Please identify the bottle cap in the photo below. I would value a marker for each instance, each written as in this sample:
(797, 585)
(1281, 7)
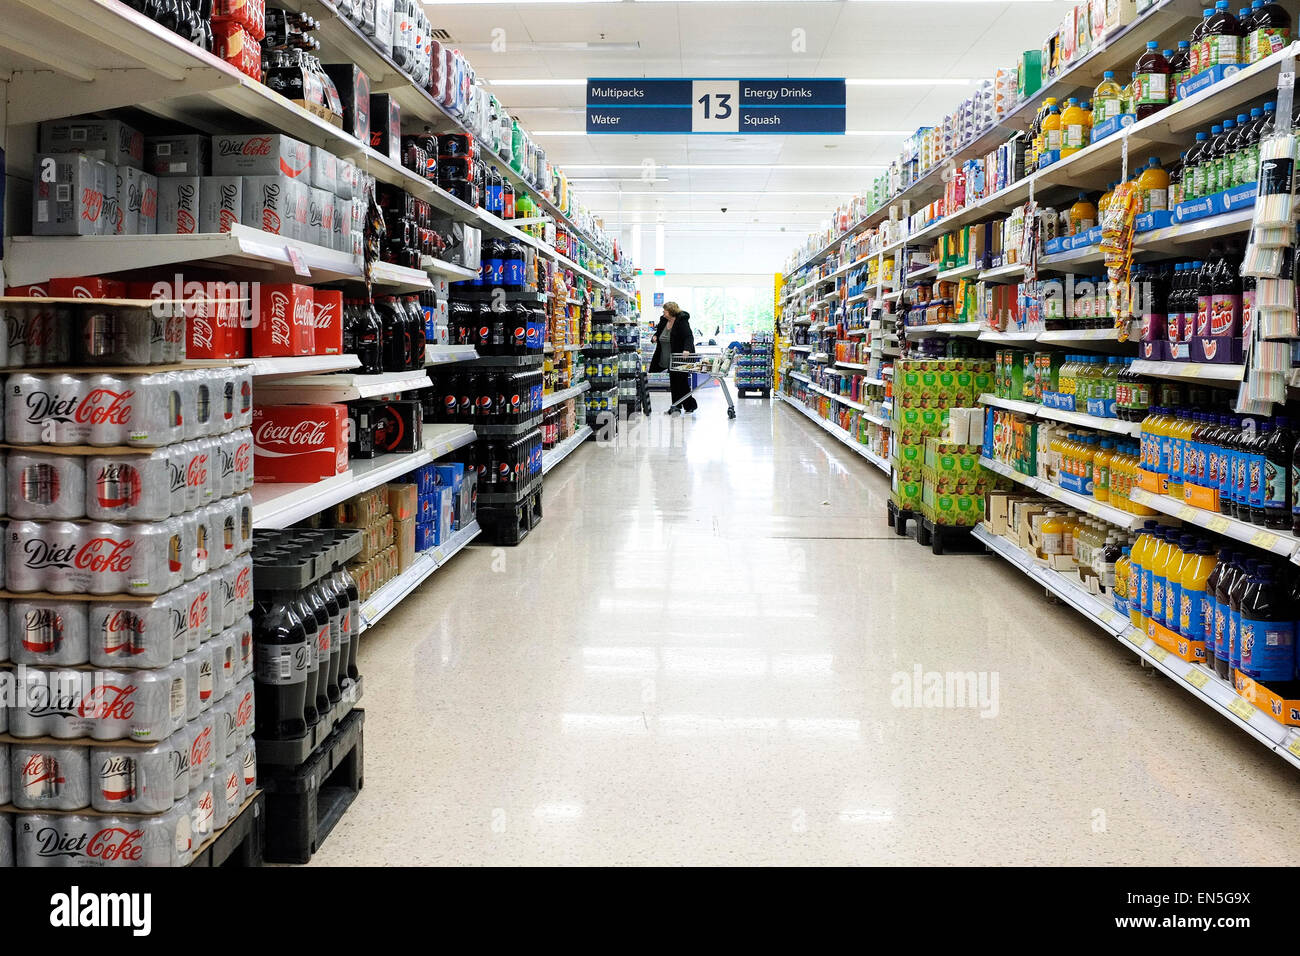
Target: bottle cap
(1109, 75)
(1152, 45)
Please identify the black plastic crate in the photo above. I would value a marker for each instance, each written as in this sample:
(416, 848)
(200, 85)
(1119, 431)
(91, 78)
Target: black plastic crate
(241, 843)
(505, 525)
(304, 804)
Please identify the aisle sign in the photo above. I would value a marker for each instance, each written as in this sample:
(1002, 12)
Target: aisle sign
(729, 106)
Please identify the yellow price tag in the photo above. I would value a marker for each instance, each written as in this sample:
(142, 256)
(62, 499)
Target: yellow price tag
(368, 612)
(1241, 708)
(1158, 652)
(1264, 539)
(1188, 513)
(1197, 678)
(1135, 637)
(1294, 746)
(1218, 525)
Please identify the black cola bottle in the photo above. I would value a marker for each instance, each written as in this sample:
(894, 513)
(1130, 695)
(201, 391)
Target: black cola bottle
(327, 685)
(347, 588)
(282, 657)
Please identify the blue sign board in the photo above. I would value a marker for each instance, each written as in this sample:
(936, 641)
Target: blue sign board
(721, 106)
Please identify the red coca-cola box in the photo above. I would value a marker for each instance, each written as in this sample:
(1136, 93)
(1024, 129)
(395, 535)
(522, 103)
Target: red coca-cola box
(299, 443)
(87, 287)
(232, 43)
(29, 291)
(286, 320)
(329, 321)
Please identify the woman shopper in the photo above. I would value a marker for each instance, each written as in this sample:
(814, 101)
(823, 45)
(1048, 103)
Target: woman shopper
(674, 336)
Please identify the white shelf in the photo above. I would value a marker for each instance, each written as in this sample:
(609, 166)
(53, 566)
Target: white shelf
(799, 376)
(1083, 503)
(1059, 415)
(856, 332)
(439, 267)
(288, 366)
(391, 594)
(1081, 336)
(343, 387)
(961, 272)
(1189, 371)
(839, 398)
(943, 328)
(622, 293)
(1007, 338)
(443, 354)
(1009, 273)
(857, 298)
(278, 505)
(561, 451)
(835, 430)
(556, 397)
(855, 365)
(566, 348)
(801, 348)
(923, 273)
(1201, 682)
(1277, 542)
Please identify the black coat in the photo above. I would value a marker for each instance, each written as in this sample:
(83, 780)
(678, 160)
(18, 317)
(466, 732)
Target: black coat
(681, 339)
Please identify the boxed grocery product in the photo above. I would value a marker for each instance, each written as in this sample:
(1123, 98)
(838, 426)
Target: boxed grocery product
(399, 425)
(109, 140)
(86, 287)
(328, 310)
(299, 443)
(360, 510)
(1029, 73)
(404, 541)
(137, 202)
(354, 92)
(951, 509)
(260, 154)
(188, 155)
(403, 500)
(386, 126)
(221, 203)
(69, 193)
(298, 207)
(266, 204)
(286, 322)
(178, 205)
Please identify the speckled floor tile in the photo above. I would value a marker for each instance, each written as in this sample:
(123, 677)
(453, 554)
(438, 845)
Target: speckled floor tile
(698, 655)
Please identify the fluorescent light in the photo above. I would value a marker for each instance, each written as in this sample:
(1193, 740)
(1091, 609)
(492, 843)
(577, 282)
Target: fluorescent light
(909, 81)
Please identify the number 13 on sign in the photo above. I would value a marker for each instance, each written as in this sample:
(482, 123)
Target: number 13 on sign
(715, 106)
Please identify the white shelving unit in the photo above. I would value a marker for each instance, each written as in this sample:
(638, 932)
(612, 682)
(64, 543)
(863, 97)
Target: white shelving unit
(269, 369)
(1278, 542)
(1074, 418)
(343, 387)
(444, 354)
(386, 598)
(556, 397)
(1080, 502)
(839, 433)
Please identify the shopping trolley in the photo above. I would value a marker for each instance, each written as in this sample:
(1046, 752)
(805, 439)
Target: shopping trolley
(716, 367)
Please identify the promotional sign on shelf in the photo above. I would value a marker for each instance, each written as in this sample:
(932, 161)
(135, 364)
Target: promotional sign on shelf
(727, 106)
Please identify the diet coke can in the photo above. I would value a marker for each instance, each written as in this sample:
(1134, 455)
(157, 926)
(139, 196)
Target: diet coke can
(225, 792)
(196, 402)
(203, 810)
(133, 634)
(160, 701)
(156, 415)
(199, 468)
(5, 795)
(4, 644)
(132, 779)
(244, 398)
(210, 448)
(50, 778)
(108, 410)
(156, 557)
(189, 537)
(47, 632)
(223, 715)
(201, 605)
(42, 409)
(227, 657)
(44, 486)
(244, 711)
(243, 460)
(113, 563)
(247, 755)
(120, 335)
(244, 637)
(179, 744)
(178, 620)
(207, 543)
(202, 749)
(244, 585)
(42, 556)
(227, 483)
(177, 457)
(128, 487)
(225, 522)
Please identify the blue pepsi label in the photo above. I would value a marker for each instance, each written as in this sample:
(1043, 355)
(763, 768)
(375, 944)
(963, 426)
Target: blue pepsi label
(1267, 649)
(498, 267)
(514, 272)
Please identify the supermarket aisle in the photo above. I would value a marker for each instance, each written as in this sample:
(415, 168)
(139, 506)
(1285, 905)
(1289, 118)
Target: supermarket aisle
(692, 660)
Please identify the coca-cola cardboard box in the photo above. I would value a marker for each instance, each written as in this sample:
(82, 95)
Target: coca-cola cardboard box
(320, 218)
(299, 443)
(232, 43)
(386, 126)
(178, 205)
(68, 195)
(299, 210)
(338, 232)
(354, 92)
(212, 324)
(111, 141)
(328, 307)
(189, 155)
(266, 204)
(324, 169)
(404, 541)
(137, 201)
(345, 176)
(260, 154)
(87, 287)
(286, 323)
(40, 291)
(221, 202)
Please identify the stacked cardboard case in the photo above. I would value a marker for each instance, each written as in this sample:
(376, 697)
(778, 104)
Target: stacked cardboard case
(937, 436)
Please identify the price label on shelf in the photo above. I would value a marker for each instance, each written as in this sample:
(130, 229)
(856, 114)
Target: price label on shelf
(368, 613)
(1241, 708)
(1188, 513)
(1294, 745)
(1158, 653)
(1135, 637)
(1197, 678)
(1263, 539)
(297, 261)
(1217, 525)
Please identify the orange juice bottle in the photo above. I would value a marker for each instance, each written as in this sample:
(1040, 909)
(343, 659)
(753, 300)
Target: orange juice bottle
(1123, 574)
(1053, 530)
(1074, 128)
(1086, 459)
(1194, 601)
(1159, 567)
(1140, 556)
(1101, 470)
(1051, 135)
(1174, 577)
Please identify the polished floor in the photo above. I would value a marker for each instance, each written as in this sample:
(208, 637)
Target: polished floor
(701, 656)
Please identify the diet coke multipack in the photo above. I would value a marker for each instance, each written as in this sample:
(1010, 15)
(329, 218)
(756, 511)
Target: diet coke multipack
(306, 627)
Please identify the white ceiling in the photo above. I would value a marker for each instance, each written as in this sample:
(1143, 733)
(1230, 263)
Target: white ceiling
(952, 39)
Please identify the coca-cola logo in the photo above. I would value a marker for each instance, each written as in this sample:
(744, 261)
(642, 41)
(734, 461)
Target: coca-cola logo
(149, 204)
(242, 454)
(109, 702)
(36, 330)
(271, 208)
(186, 223)
(103, 406)
(134, 196)
(229, 214)
(201, 332)
(323, 641)
(244, 713)
(42, 406)
(325, 315)
(249, 146)
(92, 204)
(243, 582)
(196, 473)
(116, 844)
(40, 769)
(121, 628)
(227, 461)
(38, 554)
(115, 767)
(201, 747)
(114, 215)
(306, 432)
(185, 194)
(280, 318)
(180, 623)
(104, 555)
(199, 611)
(315, 214)
(304, 314)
